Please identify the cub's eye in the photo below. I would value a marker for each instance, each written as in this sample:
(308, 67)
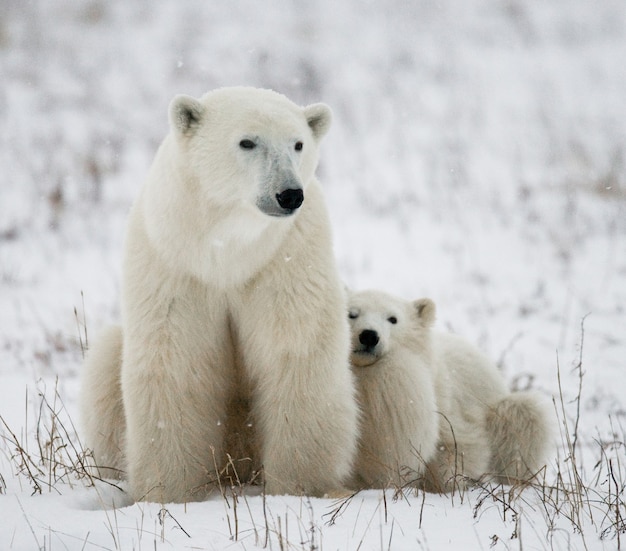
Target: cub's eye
(247, 144)
(298, 146)
(353, 315)
(393, 320)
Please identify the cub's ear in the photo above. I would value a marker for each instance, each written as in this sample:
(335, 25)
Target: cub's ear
(185, 114)
(318, 117)
(426, 310)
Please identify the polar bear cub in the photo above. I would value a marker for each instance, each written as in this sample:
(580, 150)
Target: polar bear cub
(233, 312)
(482, 428)
(391, 358)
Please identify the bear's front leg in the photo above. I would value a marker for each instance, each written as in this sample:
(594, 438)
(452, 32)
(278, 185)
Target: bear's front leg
(176, 378)
(296, 355)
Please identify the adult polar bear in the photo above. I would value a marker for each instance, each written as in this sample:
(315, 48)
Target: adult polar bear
(230, 299)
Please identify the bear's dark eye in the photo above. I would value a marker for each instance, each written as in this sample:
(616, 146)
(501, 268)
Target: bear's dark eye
(353, 315)
(298, 146)
(392, 319)
(247, 144)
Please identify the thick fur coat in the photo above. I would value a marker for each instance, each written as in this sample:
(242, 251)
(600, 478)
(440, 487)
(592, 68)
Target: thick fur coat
(235, 343)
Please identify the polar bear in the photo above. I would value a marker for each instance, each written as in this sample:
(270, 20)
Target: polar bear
(483, 429)
(233, 313)
(391, 358)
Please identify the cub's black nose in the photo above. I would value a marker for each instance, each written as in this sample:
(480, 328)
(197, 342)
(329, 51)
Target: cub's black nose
(290, 198)
(369, 338)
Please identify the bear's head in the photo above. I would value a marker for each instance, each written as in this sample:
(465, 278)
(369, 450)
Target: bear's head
(381, 323)
(249, 147)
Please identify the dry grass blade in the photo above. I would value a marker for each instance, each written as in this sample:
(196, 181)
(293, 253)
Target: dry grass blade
(22, 459)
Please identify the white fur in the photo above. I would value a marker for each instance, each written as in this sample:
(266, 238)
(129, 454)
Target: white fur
(467, 386)
(235, 338)
(101, 403)
(484, 430)
(519, 432)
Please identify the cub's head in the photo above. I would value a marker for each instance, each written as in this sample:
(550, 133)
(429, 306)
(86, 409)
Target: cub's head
(248, 147)
(380, 323)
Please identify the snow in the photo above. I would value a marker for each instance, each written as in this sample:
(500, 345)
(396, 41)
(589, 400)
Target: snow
(477, 156)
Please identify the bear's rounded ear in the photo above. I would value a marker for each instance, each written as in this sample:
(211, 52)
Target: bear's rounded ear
(185, 114)
(426, 310)
(318, 117)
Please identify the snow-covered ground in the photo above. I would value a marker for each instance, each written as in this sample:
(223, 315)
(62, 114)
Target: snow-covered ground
(477, 156)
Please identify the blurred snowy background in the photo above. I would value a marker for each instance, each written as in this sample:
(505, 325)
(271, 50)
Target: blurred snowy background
(477, 156)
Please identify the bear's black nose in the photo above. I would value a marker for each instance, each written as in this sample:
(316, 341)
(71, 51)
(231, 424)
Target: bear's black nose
(290, 198)
(369, 338)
